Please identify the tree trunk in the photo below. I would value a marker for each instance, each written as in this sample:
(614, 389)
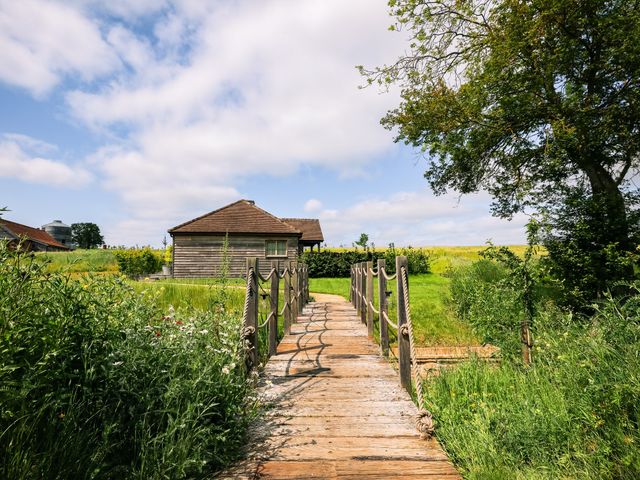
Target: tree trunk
(606, 192)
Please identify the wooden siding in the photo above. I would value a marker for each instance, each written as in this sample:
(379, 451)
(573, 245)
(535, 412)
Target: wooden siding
(201, 255)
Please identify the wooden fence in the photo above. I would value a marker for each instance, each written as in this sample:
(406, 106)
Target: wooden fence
(296, 295)
(361, 296)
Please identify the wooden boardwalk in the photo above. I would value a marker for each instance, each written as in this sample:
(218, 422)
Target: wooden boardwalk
(337, 409)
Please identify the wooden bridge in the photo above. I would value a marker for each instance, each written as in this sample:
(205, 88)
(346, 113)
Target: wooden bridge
(335, 406)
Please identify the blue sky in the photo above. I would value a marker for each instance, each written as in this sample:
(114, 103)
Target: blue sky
(141, 115)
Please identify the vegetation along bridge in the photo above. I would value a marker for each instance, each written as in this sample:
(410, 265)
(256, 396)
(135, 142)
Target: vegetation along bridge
(336, 408)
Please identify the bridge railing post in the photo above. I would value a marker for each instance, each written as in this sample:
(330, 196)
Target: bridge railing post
(370, 299)
(273, 296)
(287, 297)
(294, 291)
(363, 306)
(251, 321)
(301, 301)
(356, 272)
(351, 284)
(383, 307)
(404, 350)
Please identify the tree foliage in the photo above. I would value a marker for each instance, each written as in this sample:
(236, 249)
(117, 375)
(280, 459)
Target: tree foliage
(532, 101)
(86, 235)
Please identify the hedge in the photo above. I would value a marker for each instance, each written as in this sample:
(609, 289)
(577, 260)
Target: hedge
(338, 264)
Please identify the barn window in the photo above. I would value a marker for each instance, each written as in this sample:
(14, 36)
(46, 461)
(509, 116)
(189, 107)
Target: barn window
(276, 248)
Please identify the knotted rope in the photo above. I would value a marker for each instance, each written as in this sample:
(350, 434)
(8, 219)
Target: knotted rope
(424, 421)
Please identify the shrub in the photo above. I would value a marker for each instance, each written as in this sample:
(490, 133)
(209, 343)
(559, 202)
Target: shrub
(573, 414)
(330, 264)
(137, 262)
(97, 383)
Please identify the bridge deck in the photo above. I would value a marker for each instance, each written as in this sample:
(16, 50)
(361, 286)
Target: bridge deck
(337, 408)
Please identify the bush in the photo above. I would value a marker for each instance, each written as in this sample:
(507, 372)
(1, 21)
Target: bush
(482, 297)
(573, 414)
(97, 383)
(137, 262)
(329, 264)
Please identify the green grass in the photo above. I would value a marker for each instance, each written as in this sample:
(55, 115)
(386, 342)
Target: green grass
(197, 296)
(80, 261)
(431, 313)
(98, 381)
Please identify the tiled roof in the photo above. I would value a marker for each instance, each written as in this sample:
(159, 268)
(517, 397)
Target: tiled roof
(239, 217)
(310, 228)
(33, 234)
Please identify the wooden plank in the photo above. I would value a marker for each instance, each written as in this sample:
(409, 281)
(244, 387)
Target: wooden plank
(334, 408)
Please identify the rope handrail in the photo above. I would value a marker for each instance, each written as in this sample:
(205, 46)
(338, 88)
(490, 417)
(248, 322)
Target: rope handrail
(387, 276)
(255, 311)
(247, 296)
(417, 378)
(388, 320)
(373, 309)
(263, 324)
(268, 277)
(373, 272)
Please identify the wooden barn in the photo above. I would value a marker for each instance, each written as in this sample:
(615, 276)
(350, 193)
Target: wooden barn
(33, 239)
(253, 232)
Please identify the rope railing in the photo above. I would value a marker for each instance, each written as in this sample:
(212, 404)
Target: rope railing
(361, 294)
(296, 295)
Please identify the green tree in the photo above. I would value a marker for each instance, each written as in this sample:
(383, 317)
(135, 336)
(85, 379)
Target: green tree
(534, 101)
(86, 235)
(363, 240)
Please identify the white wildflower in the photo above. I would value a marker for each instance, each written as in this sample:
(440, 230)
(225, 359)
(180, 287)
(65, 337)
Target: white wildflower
(226, 370)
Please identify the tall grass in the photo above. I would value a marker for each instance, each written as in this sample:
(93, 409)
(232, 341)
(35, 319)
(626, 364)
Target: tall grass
(575, 413)
(98, 382)
(80, 261)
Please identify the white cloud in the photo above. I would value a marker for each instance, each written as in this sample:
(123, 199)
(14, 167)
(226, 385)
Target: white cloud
(312, 205)
(264, 87)
(421, 219)
(16, 161)
(40, 41)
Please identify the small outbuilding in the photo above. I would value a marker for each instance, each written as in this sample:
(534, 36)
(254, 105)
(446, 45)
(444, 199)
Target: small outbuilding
(29, 238)
(198, 245)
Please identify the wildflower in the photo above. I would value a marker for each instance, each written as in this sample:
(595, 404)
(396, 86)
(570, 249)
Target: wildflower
(61, 415)
(178, 322)
(157, 333)
(204, 331)
(226, 370)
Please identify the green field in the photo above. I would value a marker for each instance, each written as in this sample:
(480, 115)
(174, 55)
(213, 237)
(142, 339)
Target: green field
(435, 323)
(80, 261)
(431, 313)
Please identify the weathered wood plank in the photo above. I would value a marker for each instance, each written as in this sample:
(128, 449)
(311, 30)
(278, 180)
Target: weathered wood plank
(334, 408)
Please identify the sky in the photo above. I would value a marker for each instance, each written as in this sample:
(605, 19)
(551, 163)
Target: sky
(140, 115)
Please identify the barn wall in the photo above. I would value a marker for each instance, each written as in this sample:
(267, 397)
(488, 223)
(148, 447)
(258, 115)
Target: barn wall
(201, 256)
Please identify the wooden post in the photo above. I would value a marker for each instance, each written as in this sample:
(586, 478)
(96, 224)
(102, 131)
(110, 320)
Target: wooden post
(294, 291)
(355, 284)
(306, 285)
(404, 348)
(363, 307)
(252, 313)
(301, 289)
(287, 297)
(370, 299)
(383, 306)
(273, 323)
